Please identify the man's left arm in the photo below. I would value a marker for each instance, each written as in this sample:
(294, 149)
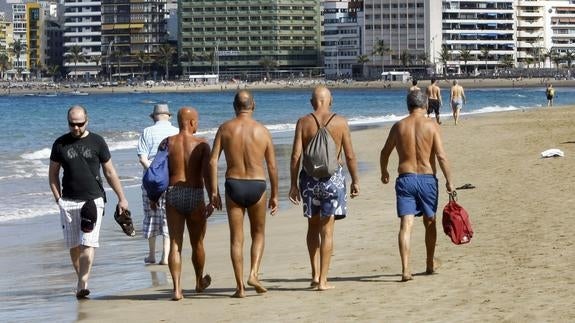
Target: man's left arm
(270, 156)
(350, 160)
(384, 155)
(114, 182)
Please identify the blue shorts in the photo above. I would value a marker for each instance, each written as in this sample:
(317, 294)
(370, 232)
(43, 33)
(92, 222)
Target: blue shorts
(325, 197)
(416, 194)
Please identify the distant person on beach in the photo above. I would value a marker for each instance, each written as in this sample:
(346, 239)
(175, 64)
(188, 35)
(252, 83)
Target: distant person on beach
(80, 153)
(188, 159)
(457, 99)
(550, 93)
(414, 86)
(434, 102)
(418, 143)
(154, 223)
(247, 144)
(324, 199)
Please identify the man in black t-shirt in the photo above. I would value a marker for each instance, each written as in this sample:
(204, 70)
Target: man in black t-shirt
(80, 153)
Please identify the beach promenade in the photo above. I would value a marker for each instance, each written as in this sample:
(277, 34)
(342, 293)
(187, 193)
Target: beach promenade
(517, 268)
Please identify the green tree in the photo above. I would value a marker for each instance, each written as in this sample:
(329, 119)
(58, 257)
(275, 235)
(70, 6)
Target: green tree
(116, 55)
(53, 71)
(143, 60)
(381, 49)
(268, 63)
(189, 55)
(485, 55)
(4, 64)
(465, 56)
(556, 58)
(406, 58)
(569, 56)
(17, 48)
(166, 53)
(507, 61)
(423, 57)
(75, 55)
(444, 57)
(362, 60)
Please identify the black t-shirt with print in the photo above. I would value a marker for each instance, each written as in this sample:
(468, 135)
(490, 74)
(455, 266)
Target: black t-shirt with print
(75, 155)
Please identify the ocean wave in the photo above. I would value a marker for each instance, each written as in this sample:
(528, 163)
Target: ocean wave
(375, 119)
(43, 153)
(495, 108)
(28, 213)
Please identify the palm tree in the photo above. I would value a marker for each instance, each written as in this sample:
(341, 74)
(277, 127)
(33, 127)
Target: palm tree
(268, 63)
(4, 64)
(96, 59)
(569, 56)
(485, 56)
(444, 57)
(465, 56)
(362, 59)
(53, 70)
(116, 55)
(405, 58)
(381, 49)
(423, 57)
(190, 56)
(16, 49)
(75, 54)
(143, 59)
(556, 58)
(166, 53)
(507, 61)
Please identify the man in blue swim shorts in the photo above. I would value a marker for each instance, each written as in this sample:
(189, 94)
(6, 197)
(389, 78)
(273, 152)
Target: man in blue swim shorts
(418, 144)
(324, 199)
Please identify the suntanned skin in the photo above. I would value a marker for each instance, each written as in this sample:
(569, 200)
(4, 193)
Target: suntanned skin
(320, 229)
(434, 92)
(188, 158)
(457, 93)
(417, 140)
(246, 144)
(83, 256)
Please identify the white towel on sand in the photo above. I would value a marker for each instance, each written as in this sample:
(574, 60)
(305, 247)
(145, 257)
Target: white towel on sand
(554, 152)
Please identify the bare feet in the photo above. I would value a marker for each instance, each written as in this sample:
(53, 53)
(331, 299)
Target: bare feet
(313, 284)
(149, 260)
(239, 294)
(163, 262)
(406, 278)
(203, 283)
(82, 294)
(321, 287)
(432, 266)
(177, 296)
(255, 283)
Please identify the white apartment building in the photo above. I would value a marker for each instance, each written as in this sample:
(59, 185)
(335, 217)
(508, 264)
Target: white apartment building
(559, 29)
(82, 27)
(530, 24)
(485, 28)
(19, 34)
(341, 39)
(408, 28)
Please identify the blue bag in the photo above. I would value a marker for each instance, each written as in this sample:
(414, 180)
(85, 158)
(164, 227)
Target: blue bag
(157, 177)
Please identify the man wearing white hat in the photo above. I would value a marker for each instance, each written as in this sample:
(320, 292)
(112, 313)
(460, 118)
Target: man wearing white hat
(155, 220)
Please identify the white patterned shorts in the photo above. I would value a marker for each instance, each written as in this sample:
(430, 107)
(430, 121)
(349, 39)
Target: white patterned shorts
(70, 221)
(155, 223)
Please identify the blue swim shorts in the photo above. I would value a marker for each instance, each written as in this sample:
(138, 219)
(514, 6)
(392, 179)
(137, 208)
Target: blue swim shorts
(416, 194)
(326, 196)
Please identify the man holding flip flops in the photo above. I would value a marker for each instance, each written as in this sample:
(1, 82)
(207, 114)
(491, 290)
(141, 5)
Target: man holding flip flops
(81, 196)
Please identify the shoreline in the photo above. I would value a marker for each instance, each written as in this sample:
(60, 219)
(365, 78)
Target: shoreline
(304, 84)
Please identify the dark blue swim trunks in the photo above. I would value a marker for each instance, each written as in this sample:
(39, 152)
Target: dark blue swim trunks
(416, 194)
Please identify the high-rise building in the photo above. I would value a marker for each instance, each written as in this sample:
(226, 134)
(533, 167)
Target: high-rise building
(19, 36)
(239, 37)
(560, 28)
(401, 35)
(82, 29)
(132, 32)
(530, 22)
(341, 38)
(484, 29)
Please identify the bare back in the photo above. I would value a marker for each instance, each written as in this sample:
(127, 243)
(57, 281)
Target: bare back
(188, 160)
(414, 140)
(433, 92)
(337, 127)
(457, 92)
(245, 143)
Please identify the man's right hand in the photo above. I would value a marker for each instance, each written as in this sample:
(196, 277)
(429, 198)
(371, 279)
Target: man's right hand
(449, 187)
(294, 196)
(384, 176)
(216, 201)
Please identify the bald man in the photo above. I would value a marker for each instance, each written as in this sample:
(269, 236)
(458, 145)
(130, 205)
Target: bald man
(80, 153)
(247, 144)
(188, 158)
(324, 199)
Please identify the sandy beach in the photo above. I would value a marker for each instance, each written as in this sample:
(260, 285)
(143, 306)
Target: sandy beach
(517, 268)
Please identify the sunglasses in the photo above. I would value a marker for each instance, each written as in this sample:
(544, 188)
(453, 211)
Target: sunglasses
(76, 124)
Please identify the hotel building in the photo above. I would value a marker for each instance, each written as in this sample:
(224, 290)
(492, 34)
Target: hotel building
(82, 27)
(239, 37)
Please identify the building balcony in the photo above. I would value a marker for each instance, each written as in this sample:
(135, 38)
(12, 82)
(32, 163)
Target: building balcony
(83, 43)
(528, 34)
(82, 4)
(83, 14)
(523, 13)
(82, 34)
(83, 23)
(534, 24)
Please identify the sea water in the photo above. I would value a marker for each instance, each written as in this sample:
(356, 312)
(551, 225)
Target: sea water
(37, 279)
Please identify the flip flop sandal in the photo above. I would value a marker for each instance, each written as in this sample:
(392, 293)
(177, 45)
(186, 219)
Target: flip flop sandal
(465, 187)
(124, 219)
